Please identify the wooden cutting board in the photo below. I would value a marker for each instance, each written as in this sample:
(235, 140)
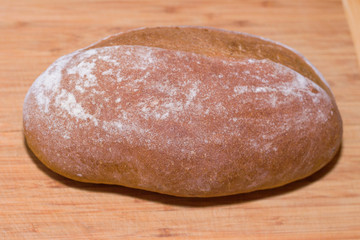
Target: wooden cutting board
(36, 203)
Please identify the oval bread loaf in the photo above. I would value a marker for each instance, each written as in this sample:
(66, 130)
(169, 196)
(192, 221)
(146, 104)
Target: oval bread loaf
(185, 111)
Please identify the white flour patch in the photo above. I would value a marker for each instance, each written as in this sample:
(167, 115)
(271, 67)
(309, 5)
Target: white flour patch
(192, 93)
(264, 89)
(94, 91)
(241, 89)
(119, 77)
(90, 53)
(79, 88)
(273, 100)
(297, 88)
(107, 72)
(87, 78)
(144, 58)
(106, 58)
(66, 136)
(49, 81)
(321, 116)
(66, 101)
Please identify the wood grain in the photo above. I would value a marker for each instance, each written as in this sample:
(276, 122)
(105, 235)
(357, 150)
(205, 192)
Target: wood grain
(352, 10)
(36, 203)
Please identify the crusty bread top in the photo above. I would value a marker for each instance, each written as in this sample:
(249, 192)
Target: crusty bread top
(214, 42)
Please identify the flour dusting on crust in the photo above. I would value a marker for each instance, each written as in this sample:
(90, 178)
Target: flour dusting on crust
(183, 105)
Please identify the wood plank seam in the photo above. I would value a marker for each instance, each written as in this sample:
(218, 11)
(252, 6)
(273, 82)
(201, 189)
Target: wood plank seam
(352, 12)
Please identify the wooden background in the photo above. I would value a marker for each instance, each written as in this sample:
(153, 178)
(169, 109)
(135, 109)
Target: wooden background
(36, 203)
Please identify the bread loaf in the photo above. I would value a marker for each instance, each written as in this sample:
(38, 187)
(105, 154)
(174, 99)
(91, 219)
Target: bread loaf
(185, 111)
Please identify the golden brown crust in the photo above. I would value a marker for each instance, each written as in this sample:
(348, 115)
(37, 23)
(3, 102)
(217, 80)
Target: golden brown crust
(192, 118)
(219, 43)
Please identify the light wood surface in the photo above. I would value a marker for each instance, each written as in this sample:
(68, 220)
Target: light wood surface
(352, 10)
(36, 203)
